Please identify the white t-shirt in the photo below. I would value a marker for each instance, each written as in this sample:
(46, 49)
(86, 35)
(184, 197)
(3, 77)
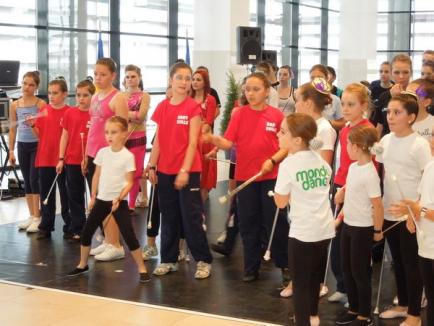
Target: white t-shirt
(426, 190)
(333, 111)
(326, 133)
(424, 127)
(405, 158)
(306, 177)
(362, 184)
(273, 98)
(114, 166)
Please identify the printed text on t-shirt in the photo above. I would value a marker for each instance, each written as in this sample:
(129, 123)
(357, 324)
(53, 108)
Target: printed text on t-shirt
(312, 178)
(271, 126)
(182, 120)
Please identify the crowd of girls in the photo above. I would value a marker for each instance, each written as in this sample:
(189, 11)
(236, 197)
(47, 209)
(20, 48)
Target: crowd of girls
(285, 142)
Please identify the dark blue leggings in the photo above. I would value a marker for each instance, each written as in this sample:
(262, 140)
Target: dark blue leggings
(26, 158)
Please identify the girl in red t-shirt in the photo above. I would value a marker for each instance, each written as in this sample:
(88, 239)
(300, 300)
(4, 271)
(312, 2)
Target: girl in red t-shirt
(175, 154)
(253, 129)
(48, 129)
(201, 94)
(71, 155)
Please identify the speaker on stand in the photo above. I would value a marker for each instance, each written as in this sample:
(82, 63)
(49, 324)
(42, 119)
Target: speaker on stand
(248, 45)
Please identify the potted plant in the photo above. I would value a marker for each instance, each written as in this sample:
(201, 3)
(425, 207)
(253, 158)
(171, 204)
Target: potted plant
(232, 94)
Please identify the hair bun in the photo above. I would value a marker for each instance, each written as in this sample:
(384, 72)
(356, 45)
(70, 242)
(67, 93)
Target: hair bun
(315, 143)
(89, 78)
(322, 85)
(376, 149)
(60, 78)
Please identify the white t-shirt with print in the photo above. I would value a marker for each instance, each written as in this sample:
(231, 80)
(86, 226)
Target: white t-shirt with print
(424, 127)
(326, 133)
(426, 190)
(363, 184)
(114, 166)
(306, 177)
(405, 158)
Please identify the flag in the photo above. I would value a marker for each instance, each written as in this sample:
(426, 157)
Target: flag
(187, 49)
(100, 47)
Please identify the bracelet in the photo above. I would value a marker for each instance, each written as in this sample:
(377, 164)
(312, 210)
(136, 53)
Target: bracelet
(377, 231)
(152, 167)
(61, 158)
(272, 161)
(183, 171)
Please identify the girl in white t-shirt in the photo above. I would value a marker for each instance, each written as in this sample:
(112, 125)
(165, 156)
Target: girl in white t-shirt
(424, 90)
(304, 182)
(312, 98)
(404, 157)
(423, 211)
(111, 182)
(363, 213)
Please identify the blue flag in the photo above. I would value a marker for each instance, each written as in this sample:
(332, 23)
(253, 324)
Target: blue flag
(187, 50)
(100, 47)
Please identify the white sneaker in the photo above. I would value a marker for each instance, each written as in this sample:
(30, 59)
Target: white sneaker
(338, 297)
(25, 224)
(203, 270)
(34, 226)
(111, 253)
(98, 250)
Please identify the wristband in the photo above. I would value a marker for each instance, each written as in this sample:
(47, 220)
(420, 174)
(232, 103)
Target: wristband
(152, 167)
(272, 161)
(377, 231)
(61, 158)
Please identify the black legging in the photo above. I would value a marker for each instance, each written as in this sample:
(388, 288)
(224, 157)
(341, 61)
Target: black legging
(426, 267)
(97, 215)
(26, 157)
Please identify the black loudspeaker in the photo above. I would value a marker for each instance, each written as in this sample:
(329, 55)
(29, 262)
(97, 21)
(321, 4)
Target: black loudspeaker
(248, 45)
(269, 56)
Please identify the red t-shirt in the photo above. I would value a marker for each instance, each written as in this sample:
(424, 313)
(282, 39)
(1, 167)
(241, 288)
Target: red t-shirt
(344, 160)
(173, 134)
(50, 131)
(255, 135)
(75, 122)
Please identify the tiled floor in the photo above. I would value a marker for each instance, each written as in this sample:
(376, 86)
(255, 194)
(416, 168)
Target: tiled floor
(25, 305)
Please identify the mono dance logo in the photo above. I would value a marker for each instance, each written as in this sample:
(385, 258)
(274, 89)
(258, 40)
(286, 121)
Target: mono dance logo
(312, 178)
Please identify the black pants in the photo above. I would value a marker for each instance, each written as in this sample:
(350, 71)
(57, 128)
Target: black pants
(97, 215)
(335, 251)
(307, 261)
(48, 212)
(90, 171)
(403, 247)
(181, 209)
(75, 186)
(256, 210)
(26, 157)
(426, 267)
(356, 243)
(155, 217)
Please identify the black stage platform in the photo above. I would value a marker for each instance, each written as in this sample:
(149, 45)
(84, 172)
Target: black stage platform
(44, 263)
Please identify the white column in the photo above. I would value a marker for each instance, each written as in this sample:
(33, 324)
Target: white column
(215, 39)
(358, 40)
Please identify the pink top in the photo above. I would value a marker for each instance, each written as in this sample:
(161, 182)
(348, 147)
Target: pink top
(100, 112)
(134, 101)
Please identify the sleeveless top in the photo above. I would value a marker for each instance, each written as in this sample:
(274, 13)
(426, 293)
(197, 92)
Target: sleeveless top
(100, 112)
(24, 132)
(287, 105)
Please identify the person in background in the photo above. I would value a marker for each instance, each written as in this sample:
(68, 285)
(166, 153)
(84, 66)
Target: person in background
(428, 70)
(383, 84)
(286, 91)
(27, 145)
(332, 78)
